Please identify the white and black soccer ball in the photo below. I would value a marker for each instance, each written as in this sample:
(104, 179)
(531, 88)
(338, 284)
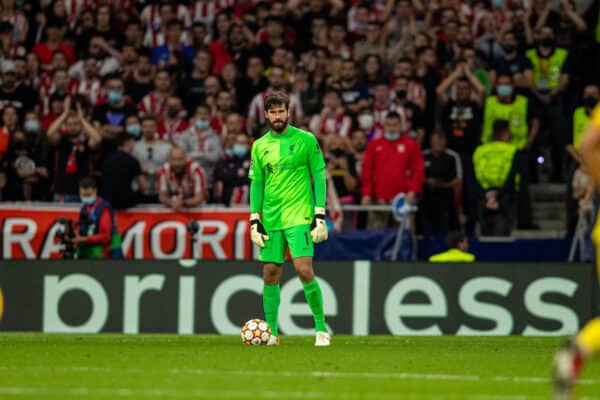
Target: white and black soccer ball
(256, 332)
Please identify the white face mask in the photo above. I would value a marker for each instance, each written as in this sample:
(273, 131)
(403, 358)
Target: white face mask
(88, 200)
(365, 121)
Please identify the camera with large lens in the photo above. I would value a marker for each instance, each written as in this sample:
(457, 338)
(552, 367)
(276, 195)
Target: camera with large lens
(65, 236)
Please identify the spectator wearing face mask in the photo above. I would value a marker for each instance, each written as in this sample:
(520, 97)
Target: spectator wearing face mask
(550, 79)
(109, 116)
(367, 125)
(392, 165)
(181, 182)
(152, 153)
(411, 115)
(231, 175)
(133, 126)
(173, 123)
(505, 105)
(341, 167)
(202, 144)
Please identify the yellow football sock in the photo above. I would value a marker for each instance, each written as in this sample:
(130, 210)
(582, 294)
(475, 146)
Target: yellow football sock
(589, 337)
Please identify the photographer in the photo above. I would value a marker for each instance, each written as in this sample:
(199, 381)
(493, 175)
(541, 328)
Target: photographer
(98, 236)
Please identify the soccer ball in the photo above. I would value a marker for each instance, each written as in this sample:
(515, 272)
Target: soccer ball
(256, 332)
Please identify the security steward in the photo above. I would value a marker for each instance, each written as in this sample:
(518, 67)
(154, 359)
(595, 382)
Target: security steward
(458, 244)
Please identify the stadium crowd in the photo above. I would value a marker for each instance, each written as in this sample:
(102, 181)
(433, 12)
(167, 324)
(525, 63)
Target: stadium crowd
(460, 104)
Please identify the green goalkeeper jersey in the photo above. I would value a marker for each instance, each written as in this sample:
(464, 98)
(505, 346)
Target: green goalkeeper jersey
(286, 163)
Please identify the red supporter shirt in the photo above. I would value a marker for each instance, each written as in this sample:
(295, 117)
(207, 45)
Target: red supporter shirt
(392, 167)
(188, 185)
(44, 53)
(219, 55)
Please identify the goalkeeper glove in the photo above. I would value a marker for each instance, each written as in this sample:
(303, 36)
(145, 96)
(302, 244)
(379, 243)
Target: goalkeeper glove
(258, 234)
(318, 229)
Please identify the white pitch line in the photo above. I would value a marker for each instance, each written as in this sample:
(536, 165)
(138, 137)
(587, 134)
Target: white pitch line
(294, 374)
(251, 394)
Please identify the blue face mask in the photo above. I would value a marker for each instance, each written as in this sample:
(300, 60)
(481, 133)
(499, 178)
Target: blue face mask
(33, 125)
(391, 135)
(202, 124)
(504, 90)
(88, 200)
(361, 25)
(114, 97)
(498, 3)
(134, 130)
(239, 150)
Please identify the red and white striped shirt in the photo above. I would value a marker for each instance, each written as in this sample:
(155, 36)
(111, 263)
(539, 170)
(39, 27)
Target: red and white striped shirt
(150, 16)
(205, 11)
(153, 103)
(257, 108)
(172, 131)
(74, 8)
(91, 88)
(48, 88)
(188, 185)
(340, 125)
(20, 26)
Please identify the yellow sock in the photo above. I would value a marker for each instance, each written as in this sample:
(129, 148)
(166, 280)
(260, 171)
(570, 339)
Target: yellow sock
(589, 337)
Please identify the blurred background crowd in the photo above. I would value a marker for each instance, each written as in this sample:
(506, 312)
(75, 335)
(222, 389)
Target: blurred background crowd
(460, 103)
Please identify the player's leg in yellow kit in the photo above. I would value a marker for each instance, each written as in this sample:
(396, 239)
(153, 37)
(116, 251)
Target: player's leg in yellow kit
(589, 338)
(570, 357)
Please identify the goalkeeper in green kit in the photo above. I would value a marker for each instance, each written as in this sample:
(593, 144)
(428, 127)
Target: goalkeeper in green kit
(284, 211)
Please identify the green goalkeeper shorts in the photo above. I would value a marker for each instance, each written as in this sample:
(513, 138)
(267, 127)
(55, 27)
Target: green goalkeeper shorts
(297, 238)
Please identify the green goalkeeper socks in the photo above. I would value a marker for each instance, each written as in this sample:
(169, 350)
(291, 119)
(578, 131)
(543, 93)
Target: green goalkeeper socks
(314, 298)
(271, 299)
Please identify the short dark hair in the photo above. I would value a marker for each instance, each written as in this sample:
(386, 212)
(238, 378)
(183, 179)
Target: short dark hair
(499, 127)
(174, 22)
(88, 183)
(112, 76)
(123, 138)
(277, 99)
(392, 115)
(454, 238)
(148, 117)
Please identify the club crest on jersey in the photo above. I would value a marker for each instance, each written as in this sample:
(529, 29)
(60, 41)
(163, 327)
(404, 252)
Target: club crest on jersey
(292, 147)
(269, 168)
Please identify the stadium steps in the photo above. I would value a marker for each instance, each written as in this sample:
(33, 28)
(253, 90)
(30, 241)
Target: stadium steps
(549, 211)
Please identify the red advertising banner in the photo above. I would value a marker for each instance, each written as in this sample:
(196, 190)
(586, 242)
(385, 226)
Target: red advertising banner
(148, 233)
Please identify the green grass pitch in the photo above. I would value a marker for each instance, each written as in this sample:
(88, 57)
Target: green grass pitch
(36, 366)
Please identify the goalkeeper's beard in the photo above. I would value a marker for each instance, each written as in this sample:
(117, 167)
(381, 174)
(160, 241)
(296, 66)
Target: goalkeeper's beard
(278, 126)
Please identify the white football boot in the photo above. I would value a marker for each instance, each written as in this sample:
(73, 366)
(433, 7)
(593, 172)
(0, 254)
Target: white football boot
(322, 339)
(273, 341)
